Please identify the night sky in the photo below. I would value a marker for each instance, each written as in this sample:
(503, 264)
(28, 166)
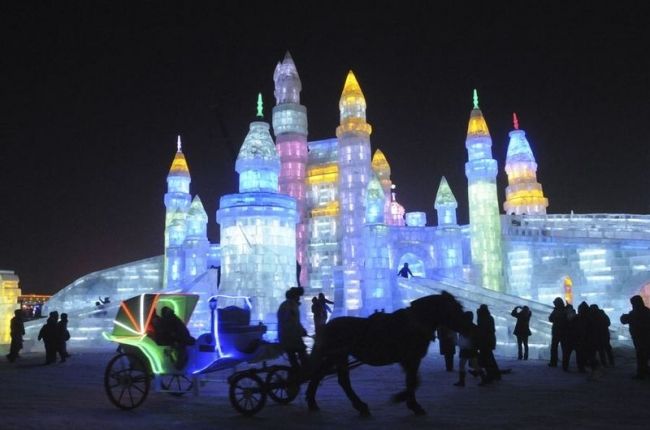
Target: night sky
(95, 94)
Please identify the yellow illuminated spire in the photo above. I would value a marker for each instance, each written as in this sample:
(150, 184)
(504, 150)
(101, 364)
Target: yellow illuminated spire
(352, 107)
(179, 165)
(477, 125)
(379, 163)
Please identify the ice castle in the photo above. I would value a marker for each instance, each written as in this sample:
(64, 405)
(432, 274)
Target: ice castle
(330, 208)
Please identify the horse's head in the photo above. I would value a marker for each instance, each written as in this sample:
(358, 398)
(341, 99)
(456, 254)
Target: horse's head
(440, 309)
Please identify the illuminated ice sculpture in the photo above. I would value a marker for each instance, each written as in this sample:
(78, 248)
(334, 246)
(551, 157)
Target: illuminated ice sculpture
(524, 194)
(355, 171)
(485, 225)
(258, 228)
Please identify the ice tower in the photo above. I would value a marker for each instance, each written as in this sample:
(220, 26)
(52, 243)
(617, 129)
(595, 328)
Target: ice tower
(485, 226)
(355, 171)
(378, 275)
(196, 245)
(290, 129)
(177, 202)
(449, 253)
(524, 195)
(382, 169)
(258, 228)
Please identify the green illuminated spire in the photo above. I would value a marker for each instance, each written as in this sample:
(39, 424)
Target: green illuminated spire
(444, 197)
(260, 106)
(475, 99)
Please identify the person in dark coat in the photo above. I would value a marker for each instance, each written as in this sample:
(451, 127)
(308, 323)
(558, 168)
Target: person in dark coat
(172, 331)
(587, 336)
(50, 337)
(468, 351)
(447, 339)
(559, 330)
(522, 330)
(291, 330)
(405, 272)
(63, 335)
(603, 345)
(487, 343)
(17, 331)
(639, 321)
(570, 337)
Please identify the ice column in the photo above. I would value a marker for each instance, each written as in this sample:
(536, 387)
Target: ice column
(177, 202)
(290, 129)
(354, 173)
(485, 227)
(524, 194)
(9, 292)
(258, 228)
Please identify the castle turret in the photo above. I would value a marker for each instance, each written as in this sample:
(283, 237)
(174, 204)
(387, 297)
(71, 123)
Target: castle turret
(196, 244)
(396, 211)
(177, 202)
(290, 129)
(355, 171)
(445, 204)
(382, 169)
(375, 202)
(524, 194)
(449, 252)
(258, 228)
(485, 226)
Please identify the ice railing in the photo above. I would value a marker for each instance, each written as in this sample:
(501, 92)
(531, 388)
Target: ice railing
(600, 226)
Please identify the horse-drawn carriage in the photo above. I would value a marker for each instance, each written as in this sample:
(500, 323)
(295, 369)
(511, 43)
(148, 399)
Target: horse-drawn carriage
(142, 358)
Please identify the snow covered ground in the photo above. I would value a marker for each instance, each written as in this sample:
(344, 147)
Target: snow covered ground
(71, 396)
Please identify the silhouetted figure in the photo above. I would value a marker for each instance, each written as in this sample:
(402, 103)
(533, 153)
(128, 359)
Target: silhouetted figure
(487, 342)
(63, 336)
(559, 329)
(603, 345)
(448, 339)
(49, 335)
(405, 272)
(468, 351)
(587, 339)
(639, 321)
(522, 330)
(173, 332)
(290, 329)
(17, 331)
(298, 271)
(570, 336)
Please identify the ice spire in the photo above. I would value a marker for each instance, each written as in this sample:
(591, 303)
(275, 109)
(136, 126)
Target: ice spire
(524, 194)
(287, 81)
(179, 164)
(445, 204)
(485, 224)
(258, 162)
(352, 104)
(382, 169)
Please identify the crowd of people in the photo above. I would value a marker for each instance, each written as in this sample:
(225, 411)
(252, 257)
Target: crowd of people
(583, 333)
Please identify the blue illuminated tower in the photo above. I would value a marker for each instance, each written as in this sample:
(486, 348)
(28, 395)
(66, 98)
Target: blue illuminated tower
(290, 129)
(177, 202)
(524, 194)
(258, 228)
(355, 171)
(485, 225)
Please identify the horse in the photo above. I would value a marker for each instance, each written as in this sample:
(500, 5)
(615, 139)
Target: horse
(383, 338)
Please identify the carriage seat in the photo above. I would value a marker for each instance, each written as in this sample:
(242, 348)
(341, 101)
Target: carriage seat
(233, 316)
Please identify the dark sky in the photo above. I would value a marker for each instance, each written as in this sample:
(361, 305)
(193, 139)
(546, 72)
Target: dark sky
(95, 94)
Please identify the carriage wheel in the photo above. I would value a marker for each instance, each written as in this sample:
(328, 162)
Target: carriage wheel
(279, 387)
(126, 381)
(247, 394)
(176, 385)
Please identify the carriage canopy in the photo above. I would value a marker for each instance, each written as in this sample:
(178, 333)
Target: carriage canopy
(135, 314)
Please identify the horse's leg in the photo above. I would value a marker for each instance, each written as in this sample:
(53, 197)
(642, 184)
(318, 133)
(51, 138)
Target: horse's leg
(344, 381)
(310, 395)
(411, 368)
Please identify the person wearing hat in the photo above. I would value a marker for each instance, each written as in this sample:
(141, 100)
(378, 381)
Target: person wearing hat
(290, 329)
(558, 331)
